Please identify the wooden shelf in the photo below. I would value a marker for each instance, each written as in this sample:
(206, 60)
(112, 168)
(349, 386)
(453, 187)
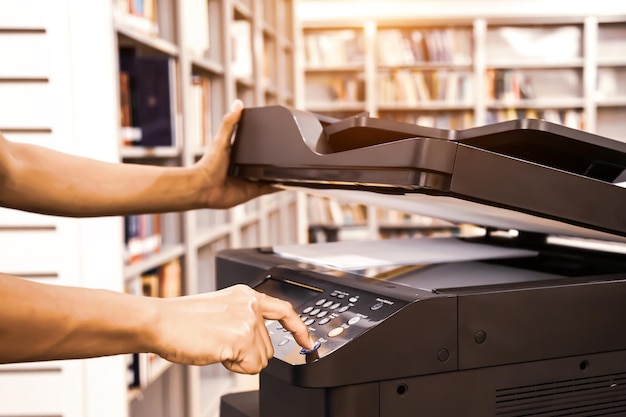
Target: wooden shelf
(157, 368)
(136, 152)
(269, 31)
(618, 61)
(336, 107)
(427, 66)
(151, 42)
(245, 82)
(531, 64)
(612, 102)
(337, 69)
(428, 106)
(207, 66)
(242, 10)
(166, 254)
(540, 103)
(206, 236)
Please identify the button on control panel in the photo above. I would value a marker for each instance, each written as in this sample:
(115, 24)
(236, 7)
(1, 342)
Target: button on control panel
(334, 314)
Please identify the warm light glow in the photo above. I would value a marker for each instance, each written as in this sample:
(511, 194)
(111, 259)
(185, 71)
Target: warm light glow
(311, 10)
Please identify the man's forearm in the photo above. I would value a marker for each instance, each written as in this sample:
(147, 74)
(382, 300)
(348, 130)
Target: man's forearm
(49, 322)
(49, 182)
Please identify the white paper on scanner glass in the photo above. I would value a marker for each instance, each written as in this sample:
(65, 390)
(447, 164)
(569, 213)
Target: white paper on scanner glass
(350, 255)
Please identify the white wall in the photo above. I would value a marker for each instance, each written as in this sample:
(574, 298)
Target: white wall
(52, 93)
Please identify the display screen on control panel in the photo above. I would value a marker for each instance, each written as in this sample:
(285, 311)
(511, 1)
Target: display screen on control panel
(296, 294)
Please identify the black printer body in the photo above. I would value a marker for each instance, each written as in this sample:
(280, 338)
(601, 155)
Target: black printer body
(495, 325)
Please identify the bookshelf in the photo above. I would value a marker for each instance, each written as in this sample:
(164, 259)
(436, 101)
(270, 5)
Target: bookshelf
(611, 74)
(425, 69)
(335, 69)
(145, 84)
(456, 64)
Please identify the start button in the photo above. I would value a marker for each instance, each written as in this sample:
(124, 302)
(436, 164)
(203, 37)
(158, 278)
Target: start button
(335, 332)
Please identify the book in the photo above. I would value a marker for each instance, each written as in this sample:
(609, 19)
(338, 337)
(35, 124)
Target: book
(151, 80)
(142, 236)
(140, 15)
(196, 27)
(132, 239)
(242, 49)
(170, 277)
(411, 47)
(155, 101)
(129, 134)
(200, 112)
(334, 48)
(150, 284)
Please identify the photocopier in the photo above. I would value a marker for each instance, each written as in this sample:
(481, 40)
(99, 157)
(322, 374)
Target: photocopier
(527, 319)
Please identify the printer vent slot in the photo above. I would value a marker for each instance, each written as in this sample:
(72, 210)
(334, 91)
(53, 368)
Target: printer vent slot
(593, 396)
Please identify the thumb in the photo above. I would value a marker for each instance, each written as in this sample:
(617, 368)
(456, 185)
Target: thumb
(227, 127)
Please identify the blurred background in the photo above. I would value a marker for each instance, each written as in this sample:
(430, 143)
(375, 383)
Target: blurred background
(147, 81)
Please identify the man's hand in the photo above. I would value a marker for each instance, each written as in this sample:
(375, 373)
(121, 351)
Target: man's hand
(226, 326)
(219, 190)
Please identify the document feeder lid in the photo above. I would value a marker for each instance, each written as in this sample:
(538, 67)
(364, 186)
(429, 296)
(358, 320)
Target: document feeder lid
(525, 174)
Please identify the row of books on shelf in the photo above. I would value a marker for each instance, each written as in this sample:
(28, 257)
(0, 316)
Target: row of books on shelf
(464, 119)
(415, 231)
(413, 87)
(327, 89)
(199, 111)
(508, 85)
(394, 224)
(148, 106)
(164, 281)
(407, 87)
(534, 43)
(516, 85)
(398, 217)
(142, 236)
(141, 369)
(197, 27)
(334, 48)
(438, 119)
(141, 15)
(332, 220)
(149, 110)
(573, 118)
(330, 211)
(454, 46)
(611, 83)
(417, 46)
(396, 47)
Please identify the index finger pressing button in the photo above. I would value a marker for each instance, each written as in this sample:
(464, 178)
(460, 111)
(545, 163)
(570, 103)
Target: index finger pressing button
(316, 346)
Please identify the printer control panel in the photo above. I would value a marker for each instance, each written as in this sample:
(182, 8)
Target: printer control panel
(334, 314)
